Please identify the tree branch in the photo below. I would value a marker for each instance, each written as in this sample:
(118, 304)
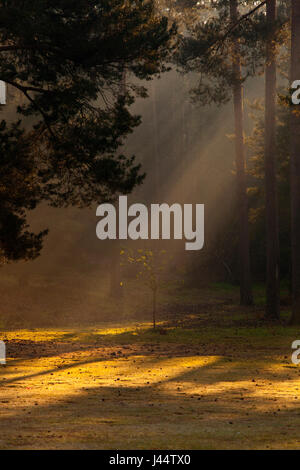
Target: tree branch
(24, 90)
(242, 18)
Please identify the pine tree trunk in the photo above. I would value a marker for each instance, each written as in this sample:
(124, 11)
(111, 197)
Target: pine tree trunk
(155, 143)
(295, 167)
(154, 308)
(272, 236)
(116, 291)
(246, 297)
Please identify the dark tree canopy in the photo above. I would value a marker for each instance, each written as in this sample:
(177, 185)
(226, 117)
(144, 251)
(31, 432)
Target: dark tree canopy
(19, 191)
(68, 59)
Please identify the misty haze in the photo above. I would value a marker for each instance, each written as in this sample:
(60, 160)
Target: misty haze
(149, 225)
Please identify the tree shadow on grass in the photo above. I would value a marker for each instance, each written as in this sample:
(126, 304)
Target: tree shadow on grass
(213, 405)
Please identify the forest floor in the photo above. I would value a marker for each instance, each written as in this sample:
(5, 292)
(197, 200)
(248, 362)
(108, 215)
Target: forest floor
(213, 376)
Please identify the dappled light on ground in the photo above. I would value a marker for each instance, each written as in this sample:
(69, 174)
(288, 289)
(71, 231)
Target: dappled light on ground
(74, 389)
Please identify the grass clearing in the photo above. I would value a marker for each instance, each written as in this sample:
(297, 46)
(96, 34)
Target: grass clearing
(211, 379)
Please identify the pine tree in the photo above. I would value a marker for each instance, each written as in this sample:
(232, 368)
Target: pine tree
(246, 297)
(20, 190)
(226, 49)
(295, 167)
(219, 49)
(66, 57)
(272, 230)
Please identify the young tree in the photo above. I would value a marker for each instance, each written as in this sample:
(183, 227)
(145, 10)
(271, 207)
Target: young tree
(151, 268)
(67, 57)
(295, 167)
